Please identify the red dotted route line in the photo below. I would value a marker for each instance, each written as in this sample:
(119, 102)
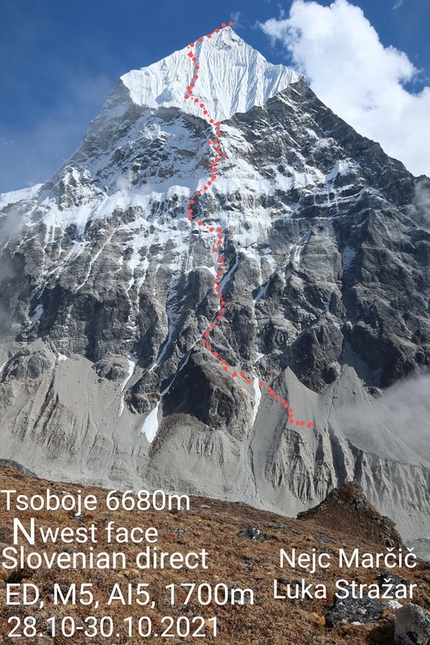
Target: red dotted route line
(218, 155)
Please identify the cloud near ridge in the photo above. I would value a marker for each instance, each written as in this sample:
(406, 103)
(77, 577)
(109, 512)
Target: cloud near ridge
(349, 69)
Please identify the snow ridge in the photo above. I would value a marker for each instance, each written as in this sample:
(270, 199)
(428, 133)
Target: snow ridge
(236, 78)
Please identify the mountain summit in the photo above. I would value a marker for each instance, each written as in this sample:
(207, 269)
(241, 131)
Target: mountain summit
(307, 273)
(234, 77)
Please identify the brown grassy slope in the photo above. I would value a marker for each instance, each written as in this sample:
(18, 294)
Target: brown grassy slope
(237, 561)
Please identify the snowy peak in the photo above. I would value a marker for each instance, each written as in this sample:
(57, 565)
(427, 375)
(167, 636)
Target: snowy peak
(233, 77)
(135, 141)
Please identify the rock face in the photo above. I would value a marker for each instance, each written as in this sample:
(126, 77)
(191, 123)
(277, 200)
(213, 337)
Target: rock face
(106, 289)
(356, 610)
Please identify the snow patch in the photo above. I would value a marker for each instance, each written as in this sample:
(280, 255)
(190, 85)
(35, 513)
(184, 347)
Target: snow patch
(297, 249)
(257, 398)
(36, 315)
(132, 362)
(230, 273)
(348, 255)
(261, 293)
(150, 426)
(172, 318)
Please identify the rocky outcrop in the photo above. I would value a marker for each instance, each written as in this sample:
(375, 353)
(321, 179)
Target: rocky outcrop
(348, 505)
(412, 626)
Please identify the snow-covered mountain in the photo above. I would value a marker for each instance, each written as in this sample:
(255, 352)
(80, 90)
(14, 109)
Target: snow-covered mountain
(108, 290)
(235, 78)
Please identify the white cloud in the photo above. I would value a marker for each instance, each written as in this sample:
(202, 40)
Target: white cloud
(236, 18)
(362, 81)
(420, 207)
(388, 423)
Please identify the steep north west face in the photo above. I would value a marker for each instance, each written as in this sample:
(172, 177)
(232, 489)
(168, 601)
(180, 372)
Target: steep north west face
(107, 288)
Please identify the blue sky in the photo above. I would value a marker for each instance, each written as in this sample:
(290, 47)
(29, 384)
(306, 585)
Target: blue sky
(59, 60)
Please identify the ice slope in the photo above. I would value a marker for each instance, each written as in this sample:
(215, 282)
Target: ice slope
(234, 78)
